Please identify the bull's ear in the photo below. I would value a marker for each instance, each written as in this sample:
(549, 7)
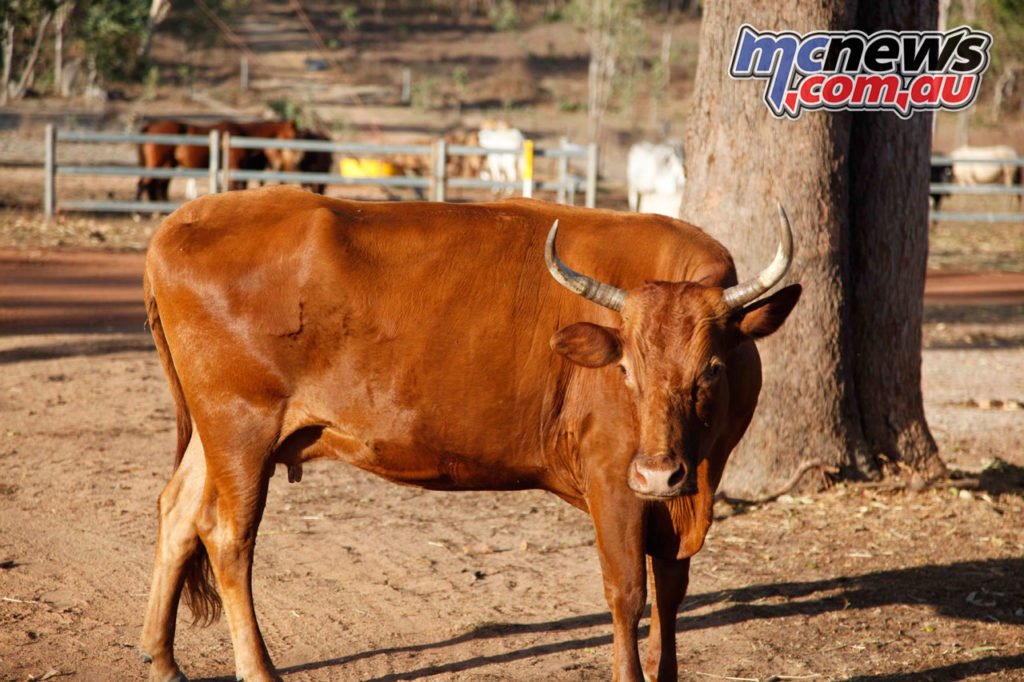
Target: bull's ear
(767, 315)
(588, 345)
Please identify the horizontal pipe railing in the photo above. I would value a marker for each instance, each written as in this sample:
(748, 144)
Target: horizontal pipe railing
(138, 138)
(938, 159)
(121, 206)
(992, 189)
(949, 188)
(134, 171)
(958, 216)
(567, 184)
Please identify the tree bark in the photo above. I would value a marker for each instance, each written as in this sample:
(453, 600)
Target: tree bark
(834, 173)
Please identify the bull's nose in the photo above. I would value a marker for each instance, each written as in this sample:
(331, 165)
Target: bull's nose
(657, 476)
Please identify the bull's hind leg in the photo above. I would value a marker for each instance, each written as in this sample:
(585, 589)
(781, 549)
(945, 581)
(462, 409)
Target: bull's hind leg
(177, 543)
(236, 492)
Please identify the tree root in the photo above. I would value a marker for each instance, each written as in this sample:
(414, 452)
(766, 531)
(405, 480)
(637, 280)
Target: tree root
(807, 464)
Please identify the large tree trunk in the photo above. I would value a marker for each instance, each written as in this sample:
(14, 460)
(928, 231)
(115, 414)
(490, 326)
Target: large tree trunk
(889, 175)
(842, 378)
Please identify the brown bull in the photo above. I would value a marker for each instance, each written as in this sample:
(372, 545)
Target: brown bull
(411, 341)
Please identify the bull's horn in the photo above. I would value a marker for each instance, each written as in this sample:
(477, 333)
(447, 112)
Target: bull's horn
(745, 292)
(590, 289)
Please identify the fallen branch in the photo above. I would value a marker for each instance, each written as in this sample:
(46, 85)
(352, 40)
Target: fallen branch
(789, 485)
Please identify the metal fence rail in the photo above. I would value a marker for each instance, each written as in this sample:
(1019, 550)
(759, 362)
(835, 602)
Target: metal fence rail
(946, 189)
(435, 182)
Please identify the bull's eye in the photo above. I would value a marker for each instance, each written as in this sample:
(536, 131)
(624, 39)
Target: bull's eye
(713, 371)
(623, 369)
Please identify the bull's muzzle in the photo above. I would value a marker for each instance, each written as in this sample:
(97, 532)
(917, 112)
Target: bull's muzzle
(657, 476)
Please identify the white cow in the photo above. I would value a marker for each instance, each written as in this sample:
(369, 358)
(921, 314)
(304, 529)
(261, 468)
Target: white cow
(656, 177)
(968, 173)
(502, 167)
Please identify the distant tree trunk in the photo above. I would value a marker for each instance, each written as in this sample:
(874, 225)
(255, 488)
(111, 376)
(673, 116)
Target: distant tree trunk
(28, 75)
(64, 11)
(158, 11)
(7, 45)
(842, 378)
(601, 70)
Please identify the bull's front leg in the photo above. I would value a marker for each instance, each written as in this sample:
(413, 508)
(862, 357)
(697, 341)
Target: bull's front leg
(669, 579)
(619, 526)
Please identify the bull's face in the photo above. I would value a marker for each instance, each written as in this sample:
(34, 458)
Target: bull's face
(672, 350)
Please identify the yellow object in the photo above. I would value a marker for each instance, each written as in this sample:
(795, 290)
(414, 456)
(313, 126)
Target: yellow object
(527, 159)
(368, 168)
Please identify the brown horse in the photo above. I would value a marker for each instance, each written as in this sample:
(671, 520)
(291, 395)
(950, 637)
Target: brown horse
(315, 161)
(157, 155)
(276, 159)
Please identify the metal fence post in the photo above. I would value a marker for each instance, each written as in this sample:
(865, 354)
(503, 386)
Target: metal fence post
(437, 175)
(214, 160)
(226, 146)
(591, 201)
(50, 163)
(563, 171)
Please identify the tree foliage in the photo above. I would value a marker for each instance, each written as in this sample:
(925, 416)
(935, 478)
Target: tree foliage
(107, 42)
(110, 34)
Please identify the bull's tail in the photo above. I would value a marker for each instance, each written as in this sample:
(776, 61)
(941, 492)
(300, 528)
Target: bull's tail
(184, 416)
(199, 591)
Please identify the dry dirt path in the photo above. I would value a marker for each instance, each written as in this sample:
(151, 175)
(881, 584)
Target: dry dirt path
(360, 579)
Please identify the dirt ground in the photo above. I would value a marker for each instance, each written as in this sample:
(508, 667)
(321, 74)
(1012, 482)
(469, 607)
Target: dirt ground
(360, 579)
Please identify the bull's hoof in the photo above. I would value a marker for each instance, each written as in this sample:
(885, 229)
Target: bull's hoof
(174, 675)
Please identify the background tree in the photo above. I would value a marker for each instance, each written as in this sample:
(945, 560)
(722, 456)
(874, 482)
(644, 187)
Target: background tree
(615, 32)
(23, 31)
(842, 380)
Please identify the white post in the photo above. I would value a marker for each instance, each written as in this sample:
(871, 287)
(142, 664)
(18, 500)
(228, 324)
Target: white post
(440, 162)
(244, 68)
(591, 201)
(214, 160)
